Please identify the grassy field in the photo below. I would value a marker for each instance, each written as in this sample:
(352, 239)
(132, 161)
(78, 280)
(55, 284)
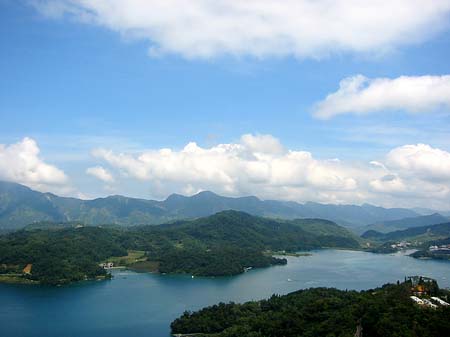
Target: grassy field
(144, 266)
(15, 279)
(134, 256)
(135, 260)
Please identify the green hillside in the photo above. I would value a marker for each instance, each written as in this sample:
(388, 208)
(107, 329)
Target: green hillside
(385, 311)
(401, 224)
(423, 233)
(221, 244)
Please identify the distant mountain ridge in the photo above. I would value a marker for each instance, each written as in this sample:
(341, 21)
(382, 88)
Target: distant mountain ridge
(441, 230)
(20, 206)
(401, 224)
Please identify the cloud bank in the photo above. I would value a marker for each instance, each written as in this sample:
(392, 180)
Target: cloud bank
(261, 28)
(407, 176)
(361, 95)
(21, 163)
(260, 165)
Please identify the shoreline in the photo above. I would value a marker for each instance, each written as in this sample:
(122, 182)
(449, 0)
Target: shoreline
(19, 279)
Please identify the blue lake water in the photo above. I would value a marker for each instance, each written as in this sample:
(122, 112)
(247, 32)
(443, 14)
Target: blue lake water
(140, 304)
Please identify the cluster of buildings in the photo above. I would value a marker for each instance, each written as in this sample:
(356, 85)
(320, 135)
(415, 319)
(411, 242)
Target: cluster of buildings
(106, 265)
(421, 285)
(401, 245)
(429, 303)
(442, 249)
(424, 286)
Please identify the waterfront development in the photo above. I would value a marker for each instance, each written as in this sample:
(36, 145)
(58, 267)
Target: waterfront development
(144, 304)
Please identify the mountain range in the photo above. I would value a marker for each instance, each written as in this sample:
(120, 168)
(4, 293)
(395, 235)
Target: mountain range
(405, 223)
(20, 206)
(423, 233)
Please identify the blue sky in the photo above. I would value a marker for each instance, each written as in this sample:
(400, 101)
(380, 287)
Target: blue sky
(73, 86)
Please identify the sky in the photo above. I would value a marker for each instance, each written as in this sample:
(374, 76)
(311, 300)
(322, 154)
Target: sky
(328, 101)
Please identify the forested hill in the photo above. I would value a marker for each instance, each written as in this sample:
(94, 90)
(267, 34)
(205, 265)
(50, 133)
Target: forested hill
(221, 244)
(402, 224)
(386, 311)
(426, 232)
(20, 206)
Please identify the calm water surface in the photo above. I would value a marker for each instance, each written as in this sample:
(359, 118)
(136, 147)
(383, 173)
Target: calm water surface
(138, 305)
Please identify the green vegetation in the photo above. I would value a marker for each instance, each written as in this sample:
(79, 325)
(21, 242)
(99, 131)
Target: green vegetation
(439, 254)
(20, 206)
(385, 248)
(59, 256)
(423, 233)
(223, 244)
(132, 257)
(420, 238)
(402, 224)
(385, 311)
(426, 254)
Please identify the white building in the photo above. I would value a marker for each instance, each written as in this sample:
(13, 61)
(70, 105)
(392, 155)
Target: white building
(441, 302)
(417, 300)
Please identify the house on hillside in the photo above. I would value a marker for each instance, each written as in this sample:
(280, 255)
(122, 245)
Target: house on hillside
(421, 285)
(106, 265)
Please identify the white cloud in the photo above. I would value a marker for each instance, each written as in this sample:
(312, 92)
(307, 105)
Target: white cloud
(421, 160)
(256, 163)
(361, 95)
(260, 165)
(261, 28)
(21, 163)
(100, 173)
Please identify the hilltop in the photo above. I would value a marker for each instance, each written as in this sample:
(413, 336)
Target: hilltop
(385, 311)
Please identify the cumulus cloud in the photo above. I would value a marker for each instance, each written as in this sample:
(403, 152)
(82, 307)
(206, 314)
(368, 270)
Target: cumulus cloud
(257, 162)
(361, 95)
(421, 160)
(101, 173)
(21, 163)
(260, 165)
(418, 172)
(261, 28)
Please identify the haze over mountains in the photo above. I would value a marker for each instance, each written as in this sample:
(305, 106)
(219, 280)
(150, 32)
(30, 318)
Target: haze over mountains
(425, 233)
(401, 224)
(20, 206)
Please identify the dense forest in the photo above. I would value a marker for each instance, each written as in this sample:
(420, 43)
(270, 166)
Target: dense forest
(385, 311)
(223, 244)
(59, 256)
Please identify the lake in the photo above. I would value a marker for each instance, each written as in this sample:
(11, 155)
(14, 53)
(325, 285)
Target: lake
(139, 304)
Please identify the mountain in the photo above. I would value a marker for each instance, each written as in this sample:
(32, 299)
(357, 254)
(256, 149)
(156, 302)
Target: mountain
(429, 211)
(20, 206)
(401, 224)
(424, 233)
(221, 244)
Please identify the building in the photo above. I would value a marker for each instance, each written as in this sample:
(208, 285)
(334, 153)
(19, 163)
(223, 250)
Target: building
(441, 302)
(417, 300)
(428, 303)
(106, 265)
(421, 285)
(442, 249)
